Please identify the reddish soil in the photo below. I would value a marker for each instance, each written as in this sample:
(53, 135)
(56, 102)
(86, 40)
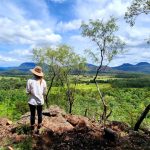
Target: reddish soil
(71, 132)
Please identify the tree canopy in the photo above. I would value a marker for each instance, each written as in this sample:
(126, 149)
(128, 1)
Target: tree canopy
(60, 62)
(103, 35)
(137, 7)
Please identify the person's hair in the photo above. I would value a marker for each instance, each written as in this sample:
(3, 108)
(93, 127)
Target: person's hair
(38, 78)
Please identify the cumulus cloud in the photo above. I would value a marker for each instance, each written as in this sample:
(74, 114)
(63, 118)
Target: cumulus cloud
(21, 52)
(93, 9)
(68, 26)
(132, 42)
(137, 32)
(26, 32)
(22, 25)
(133, 56)
(16, 57)
(17, 28)
(7, 59)
(78, 38)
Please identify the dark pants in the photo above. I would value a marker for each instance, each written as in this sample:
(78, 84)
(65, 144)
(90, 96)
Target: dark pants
(39, 113)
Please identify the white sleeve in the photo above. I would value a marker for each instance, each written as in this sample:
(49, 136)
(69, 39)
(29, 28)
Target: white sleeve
(28, 87)
(44, 88)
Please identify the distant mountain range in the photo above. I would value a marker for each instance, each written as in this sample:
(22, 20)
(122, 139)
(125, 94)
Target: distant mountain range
(93, 68)
(142, 67)
(22, 69)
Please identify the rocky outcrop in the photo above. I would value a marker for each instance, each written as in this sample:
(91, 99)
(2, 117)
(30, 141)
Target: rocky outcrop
(65, 131)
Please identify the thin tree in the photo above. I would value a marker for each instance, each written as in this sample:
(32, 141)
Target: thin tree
(71, 63)
(107, 45)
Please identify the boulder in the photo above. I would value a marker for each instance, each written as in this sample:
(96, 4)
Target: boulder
(57, 124)
(78, 120)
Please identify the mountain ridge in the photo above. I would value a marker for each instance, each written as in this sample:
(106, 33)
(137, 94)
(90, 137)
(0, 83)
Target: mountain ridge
(141, 67)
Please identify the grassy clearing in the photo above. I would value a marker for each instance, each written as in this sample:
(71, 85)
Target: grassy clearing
(8, 78)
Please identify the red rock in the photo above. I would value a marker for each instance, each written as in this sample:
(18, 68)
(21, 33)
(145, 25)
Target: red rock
(57, 124)
(78, 120)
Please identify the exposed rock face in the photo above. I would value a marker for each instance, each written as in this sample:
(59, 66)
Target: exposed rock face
(57, 124)
(78, 120)
(58, 121)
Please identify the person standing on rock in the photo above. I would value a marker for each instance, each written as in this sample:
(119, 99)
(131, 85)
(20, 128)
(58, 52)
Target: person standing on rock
(36, 89)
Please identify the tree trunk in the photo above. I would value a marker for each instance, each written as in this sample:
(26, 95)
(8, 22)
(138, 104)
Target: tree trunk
(85, 114)
(143, 115)
(46, 99)
(70, 108)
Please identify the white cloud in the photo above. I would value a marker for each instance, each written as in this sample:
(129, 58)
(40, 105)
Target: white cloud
(14, 58)
(132, 42)
(89, 9)
(137, 32)
(28, 32)
(78, 38)
(7, 59)
(133, 56)
(21, 25)
(68, 26)
(9, 10)
(16, 28)
(21, 52)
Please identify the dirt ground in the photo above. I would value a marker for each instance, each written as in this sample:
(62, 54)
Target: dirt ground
(61, 131)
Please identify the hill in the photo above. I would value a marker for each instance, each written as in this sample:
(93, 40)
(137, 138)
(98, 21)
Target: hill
(93, 68)
(24, 68)
(19, 70)
(142, 67)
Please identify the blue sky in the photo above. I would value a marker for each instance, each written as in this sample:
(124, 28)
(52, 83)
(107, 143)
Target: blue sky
(28, 24)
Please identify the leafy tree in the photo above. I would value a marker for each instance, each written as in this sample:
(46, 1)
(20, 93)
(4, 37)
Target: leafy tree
(70, 62)
(137, 7)
(108, 45)
(61, 62)
(47, 57)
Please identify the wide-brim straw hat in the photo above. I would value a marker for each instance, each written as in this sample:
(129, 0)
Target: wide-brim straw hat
(37, 71)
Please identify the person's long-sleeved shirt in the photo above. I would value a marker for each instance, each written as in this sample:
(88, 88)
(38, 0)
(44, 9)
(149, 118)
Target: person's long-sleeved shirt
(36, 89)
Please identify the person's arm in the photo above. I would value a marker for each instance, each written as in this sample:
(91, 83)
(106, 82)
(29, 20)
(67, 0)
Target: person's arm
(45, 93)
(45, 88)
(28, 89)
